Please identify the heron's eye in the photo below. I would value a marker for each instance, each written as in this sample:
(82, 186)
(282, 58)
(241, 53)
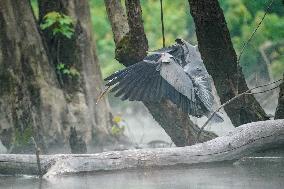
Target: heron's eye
(179, 41)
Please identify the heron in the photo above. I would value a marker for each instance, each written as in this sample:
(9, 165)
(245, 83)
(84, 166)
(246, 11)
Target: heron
(176, 73)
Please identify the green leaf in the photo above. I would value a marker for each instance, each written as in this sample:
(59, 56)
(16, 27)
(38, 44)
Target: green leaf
(74, 71)
(66, 71)
(60, 23)
(52, 15)
(67, 34)
(47, 23)
(60, 66)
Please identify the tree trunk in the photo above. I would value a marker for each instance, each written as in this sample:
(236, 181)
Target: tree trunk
(279, 114)
(92, 120)
(220, 59)
(245, 140)
(33, 99)
(31, 102)
(132, 47)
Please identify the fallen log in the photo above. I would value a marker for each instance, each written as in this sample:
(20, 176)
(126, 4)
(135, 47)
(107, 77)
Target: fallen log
(244, 140)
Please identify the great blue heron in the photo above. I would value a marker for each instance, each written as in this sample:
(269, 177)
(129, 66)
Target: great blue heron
(176, 73)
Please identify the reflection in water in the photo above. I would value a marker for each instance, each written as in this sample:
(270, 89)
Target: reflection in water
(221, 176)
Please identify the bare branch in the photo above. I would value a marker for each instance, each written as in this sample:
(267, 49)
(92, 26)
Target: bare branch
(255, 30)
(248, 92)
(250, 38)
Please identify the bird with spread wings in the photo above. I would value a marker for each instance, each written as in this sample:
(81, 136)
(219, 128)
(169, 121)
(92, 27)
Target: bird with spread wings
(176, 73)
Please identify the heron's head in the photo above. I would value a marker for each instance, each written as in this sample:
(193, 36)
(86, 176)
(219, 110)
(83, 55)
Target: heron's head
(180, 41)
(166, 58)
(187, 47)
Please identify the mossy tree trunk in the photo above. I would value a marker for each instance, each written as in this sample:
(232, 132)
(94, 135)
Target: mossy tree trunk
(220, 59)
(33, 99)
(132, 47)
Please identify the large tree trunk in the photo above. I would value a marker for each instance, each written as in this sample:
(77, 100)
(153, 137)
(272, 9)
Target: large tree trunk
(220, 59)
(132, 47)
(92, 120)
(32, 101)
(245, 140)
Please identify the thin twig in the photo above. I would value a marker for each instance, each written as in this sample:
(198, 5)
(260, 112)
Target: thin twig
(264, 90)
(162, 21)
(102, 94)
(248, 92)
(255, 30)
(37, 150)
(249, 40)
(267, 84)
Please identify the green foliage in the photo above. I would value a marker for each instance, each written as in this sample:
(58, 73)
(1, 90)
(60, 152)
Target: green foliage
(118, 128)
(238, 15)
(72, 72)
(60, 24)
(117, 131)
(242, 16)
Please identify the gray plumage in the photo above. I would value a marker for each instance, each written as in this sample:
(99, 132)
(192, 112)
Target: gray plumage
(176, 73)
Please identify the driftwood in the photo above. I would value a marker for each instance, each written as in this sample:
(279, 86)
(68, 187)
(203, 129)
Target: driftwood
(246, 139)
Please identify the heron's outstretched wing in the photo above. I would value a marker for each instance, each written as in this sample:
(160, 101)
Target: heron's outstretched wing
(139, 82)
(151, 80)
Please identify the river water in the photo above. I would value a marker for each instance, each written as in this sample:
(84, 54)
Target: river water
(264, 175)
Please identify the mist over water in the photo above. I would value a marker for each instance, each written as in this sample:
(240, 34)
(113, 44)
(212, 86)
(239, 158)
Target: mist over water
(219, 176)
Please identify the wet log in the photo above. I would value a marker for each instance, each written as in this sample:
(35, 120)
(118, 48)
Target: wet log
(244, 140)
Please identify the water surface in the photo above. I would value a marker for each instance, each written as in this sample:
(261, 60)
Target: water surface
(221, 176)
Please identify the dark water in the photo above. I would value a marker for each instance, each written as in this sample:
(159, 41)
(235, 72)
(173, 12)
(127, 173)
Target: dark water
(221, 176)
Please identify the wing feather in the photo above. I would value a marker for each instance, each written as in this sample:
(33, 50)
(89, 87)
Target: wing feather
(129, 83)
(204, 93)
(176, 77)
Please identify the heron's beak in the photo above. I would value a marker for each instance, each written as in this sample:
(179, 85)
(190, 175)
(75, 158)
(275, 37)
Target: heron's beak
(166, 58)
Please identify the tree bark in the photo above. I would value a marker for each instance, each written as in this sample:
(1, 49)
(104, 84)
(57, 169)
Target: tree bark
(245, 140)
(279, 114)
(117, 18)
(131, 48)
(93, 120)
(33, 101)
(220, 59)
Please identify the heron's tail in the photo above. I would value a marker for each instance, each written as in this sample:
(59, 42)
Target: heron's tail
(217, 118)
